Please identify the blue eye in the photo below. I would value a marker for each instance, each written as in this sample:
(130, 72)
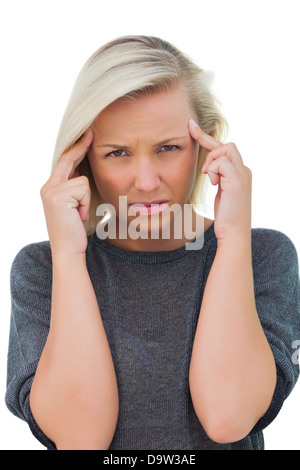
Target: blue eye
(121, 153)
(116, 153)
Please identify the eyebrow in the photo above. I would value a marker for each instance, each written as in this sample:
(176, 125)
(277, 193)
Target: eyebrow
(163, 142)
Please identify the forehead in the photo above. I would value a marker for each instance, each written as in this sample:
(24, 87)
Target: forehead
(155, 114)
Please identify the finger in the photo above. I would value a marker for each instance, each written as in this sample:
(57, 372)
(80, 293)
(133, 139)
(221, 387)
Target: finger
(218, 168)
(83, 196)
(84, 208)
(206, 141)
(76, 193)
(230, 151)
(72, 182)
(69, 160)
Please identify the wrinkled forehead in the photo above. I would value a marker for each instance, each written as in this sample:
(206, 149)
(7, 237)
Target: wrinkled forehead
(148, 115)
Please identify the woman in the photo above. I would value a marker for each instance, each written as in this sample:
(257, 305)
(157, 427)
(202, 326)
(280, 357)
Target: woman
(135, 341)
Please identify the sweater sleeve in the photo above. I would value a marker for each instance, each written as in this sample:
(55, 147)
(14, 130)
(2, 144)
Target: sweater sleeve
(31, 280)
(276, 283)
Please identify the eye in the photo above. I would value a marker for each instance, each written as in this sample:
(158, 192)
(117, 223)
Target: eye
(116, 153)
(169, 148)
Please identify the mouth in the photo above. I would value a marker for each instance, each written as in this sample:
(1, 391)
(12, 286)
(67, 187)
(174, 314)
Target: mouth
(149, 207)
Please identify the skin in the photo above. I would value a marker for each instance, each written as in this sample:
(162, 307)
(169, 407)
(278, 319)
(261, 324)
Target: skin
(228, 397)
(144, 169)
(232, 378)
(75, 387)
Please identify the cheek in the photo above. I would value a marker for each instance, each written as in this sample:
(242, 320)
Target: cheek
(185, 172)
(109, 182)
(192, 164)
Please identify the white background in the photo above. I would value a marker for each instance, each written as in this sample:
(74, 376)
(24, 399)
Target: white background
(252, 46)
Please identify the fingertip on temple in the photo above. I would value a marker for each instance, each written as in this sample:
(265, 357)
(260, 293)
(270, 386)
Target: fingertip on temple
(194, 124)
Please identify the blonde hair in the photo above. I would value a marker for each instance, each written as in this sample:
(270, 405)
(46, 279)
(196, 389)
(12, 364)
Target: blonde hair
(129, 67)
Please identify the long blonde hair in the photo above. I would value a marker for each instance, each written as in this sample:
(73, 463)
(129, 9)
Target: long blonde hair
(129, 67)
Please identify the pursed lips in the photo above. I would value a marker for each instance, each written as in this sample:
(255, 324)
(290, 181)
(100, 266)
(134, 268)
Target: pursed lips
(149, 203)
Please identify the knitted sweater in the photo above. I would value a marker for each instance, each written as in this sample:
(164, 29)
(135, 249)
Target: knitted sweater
(149, 303)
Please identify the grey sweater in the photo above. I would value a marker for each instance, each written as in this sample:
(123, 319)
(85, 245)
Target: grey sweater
(149, 303)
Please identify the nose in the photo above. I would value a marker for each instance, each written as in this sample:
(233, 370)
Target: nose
(147, 178)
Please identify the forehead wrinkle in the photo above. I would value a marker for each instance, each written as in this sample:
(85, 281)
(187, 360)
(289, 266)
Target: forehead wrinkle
(165, 141)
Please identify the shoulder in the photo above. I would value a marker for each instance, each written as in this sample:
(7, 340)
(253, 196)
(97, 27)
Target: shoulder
(275, 260)
(32, 262)
(269, 243)
(34, 253)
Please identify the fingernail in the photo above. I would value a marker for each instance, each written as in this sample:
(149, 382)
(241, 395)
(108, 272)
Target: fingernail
(194, 123)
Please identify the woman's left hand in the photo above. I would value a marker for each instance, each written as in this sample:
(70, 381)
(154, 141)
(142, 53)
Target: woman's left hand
(224, 166)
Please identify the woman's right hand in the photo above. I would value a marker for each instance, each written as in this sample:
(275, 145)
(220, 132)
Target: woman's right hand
(66, 200)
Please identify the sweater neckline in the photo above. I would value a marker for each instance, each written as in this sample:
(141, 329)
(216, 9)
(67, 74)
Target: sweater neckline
(149, 257)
